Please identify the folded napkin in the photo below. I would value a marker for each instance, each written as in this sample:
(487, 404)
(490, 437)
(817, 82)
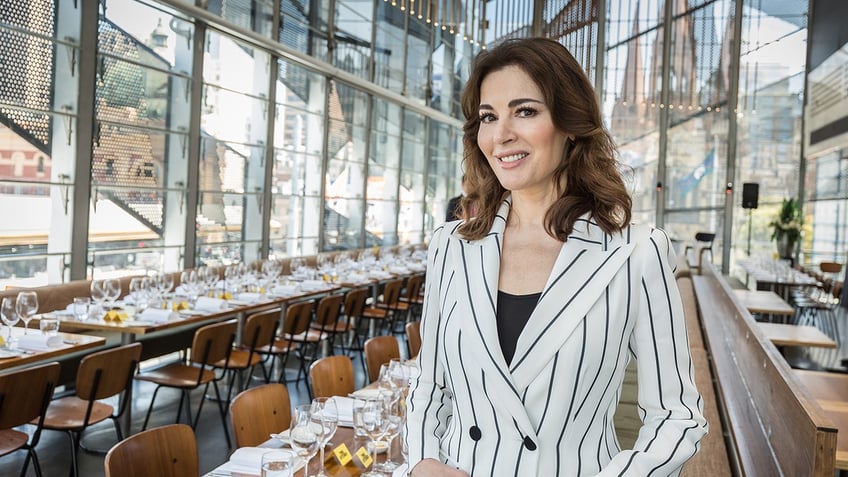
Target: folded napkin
(284, 290)
(379, 274)
(400, 471)
(356, 278)
(38, 342)
(344, 406)
(208, 304)
(398, 270)
(312, 285)
(248, 460)
(157, 315)
(249, 297)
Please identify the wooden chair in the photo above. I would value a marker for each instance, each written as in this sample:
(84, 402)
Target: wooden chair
(382, 313)
(211, 344)
(24, 397)
(332, 376)
(295, 337)
(100, 375)
(258, 412)
(258, 333)
(412, 297)
(327, 322)
(166, 451)
(379, 350)
(413, 338)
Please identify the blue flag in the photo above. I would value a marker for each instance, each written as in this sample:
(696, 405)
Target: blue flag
(689, 181)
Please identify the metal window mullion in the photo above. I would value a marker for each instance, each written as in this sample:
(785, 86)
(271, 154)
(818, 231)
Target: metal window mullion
(89, 20)
(399, 175)
(601, 53)
(325, 159)
(732, 130)
(368, 137)
(428, 153)
(271, 124)
(372, 61)
(194, 149)
(664, 114)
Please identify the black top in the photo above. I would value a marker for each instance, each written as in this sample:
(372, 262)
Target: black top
(512, 316)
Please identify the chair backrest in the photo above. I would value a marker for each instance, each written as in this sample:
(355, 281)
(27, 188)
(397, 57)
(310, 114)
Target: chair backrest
(379, 350)
(260, 329)
(704, 236)
(413, 337)
(413, 286)
(166, 451)
(106, 373)
(332, 376)
(830, 267)
(327, 311)
(25, 394)
(258, 412)
(354, 302)
(391, 292)
(298, 316)
(213, 343)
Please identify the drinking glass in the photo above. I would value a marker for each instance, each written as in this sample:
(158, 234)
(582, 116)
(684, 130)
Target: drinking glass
(370, 418)
(49, 325)
(302, 435)
(279, 463)
(80, 309)
(140, 292)
(98, 293)
(112, 287)
(325, 416)
(396, 420)
(26, 305)
(9, 316)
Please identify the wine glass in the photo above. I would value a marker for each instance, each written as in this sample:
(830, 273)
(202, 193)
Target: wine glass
(396, 419)
(325, 416)
(302, 435)
(9, 316)
(26, 305)
(98, 293)
(112, 287)
(370, 418)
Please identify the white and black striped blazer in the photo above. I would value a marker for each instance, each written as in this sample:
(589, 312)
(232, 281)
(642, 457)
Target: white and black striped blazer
(550, 412)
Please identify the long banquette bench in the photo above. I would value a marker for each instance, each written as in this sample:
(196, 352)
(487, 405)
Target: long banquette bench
(763, 422)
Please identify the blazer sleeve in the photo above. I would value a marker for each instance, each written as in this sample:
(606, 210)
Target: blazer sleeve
(669, 404)
(429, 402)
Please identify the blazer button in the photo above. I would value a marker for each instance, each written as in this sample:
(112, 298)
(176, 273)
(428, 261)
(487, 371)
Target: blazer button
(475, 433)
(529, 444)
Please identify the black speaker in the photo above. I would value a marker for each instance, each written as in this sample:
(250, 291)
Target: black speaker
(750, 195)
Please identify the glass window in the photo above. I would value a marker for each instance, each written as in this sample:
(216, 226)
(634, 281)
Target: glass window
(138, 173)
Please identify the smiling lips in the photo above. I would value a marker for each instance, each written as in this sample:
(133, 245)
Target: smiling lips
(513, 157)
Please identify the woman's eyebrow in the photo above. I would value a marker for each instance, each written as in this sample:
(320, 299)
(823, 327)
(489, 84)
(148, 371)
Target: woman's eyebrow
(513, 103)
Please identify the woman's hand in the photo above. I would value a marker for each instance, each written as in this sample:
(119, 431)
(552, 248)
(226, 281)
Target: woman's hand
(434, 468)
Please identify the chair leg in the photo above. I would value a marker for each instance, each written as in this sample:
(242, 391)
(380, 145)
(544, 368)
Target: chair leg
(150, 408)
(35, 464)
(74, 437)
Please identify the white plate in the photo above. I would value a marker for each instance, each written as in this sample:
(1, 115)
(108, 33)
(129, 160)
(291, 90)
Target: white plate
(10, 353)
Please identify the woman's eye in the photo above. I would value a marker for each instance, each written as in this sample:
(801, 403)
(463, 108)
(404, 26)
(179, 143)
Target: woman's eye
(487, 117)
(526, 112)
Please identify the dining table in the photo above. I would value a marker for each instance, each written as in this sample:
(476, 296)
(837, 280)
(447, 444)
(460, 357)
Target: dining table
(796, 335)
(63, 345)
(764, 302)
(830, 391)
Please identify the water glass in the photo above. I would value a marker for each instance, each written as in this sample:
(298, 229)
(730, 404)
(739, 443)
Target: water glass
(80, 307)
(279, 463)
(49, 325)
(303, 437)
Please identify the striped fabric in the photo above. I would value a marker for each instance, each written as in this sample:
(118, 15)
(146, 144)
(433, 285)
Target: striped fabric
(550, 413)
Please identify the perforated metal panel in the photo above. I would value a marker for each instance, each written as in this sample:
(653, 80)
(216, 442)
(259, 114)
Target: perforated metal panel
(26, 72)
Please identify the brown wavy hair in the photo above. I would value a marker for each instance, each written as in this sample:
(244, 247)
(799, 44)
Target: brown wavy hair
(588, 175)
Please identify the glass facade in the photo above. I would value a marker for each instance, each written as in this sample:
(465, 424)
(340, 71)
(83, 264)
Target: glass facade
(280, 128)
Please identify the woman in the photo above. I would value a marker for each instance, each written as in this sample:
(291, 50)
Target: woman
(534, 308)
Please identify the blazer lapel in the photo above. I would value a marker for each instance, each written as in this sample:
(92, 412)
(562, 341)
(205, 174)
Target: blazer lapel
(583, 269)
(478, 268)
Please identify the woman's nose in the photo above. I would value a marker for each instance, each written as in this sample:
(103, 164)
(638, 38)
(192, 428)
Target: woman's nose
(504, 132)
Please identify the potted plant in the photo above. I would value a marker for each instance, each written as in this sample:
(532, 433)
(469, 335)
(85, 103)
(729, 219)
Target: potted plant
(786, 228)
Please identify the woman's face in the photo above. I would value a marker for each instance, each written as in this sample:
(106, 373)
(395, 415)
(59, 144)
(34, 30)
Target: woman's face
(517, 134)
